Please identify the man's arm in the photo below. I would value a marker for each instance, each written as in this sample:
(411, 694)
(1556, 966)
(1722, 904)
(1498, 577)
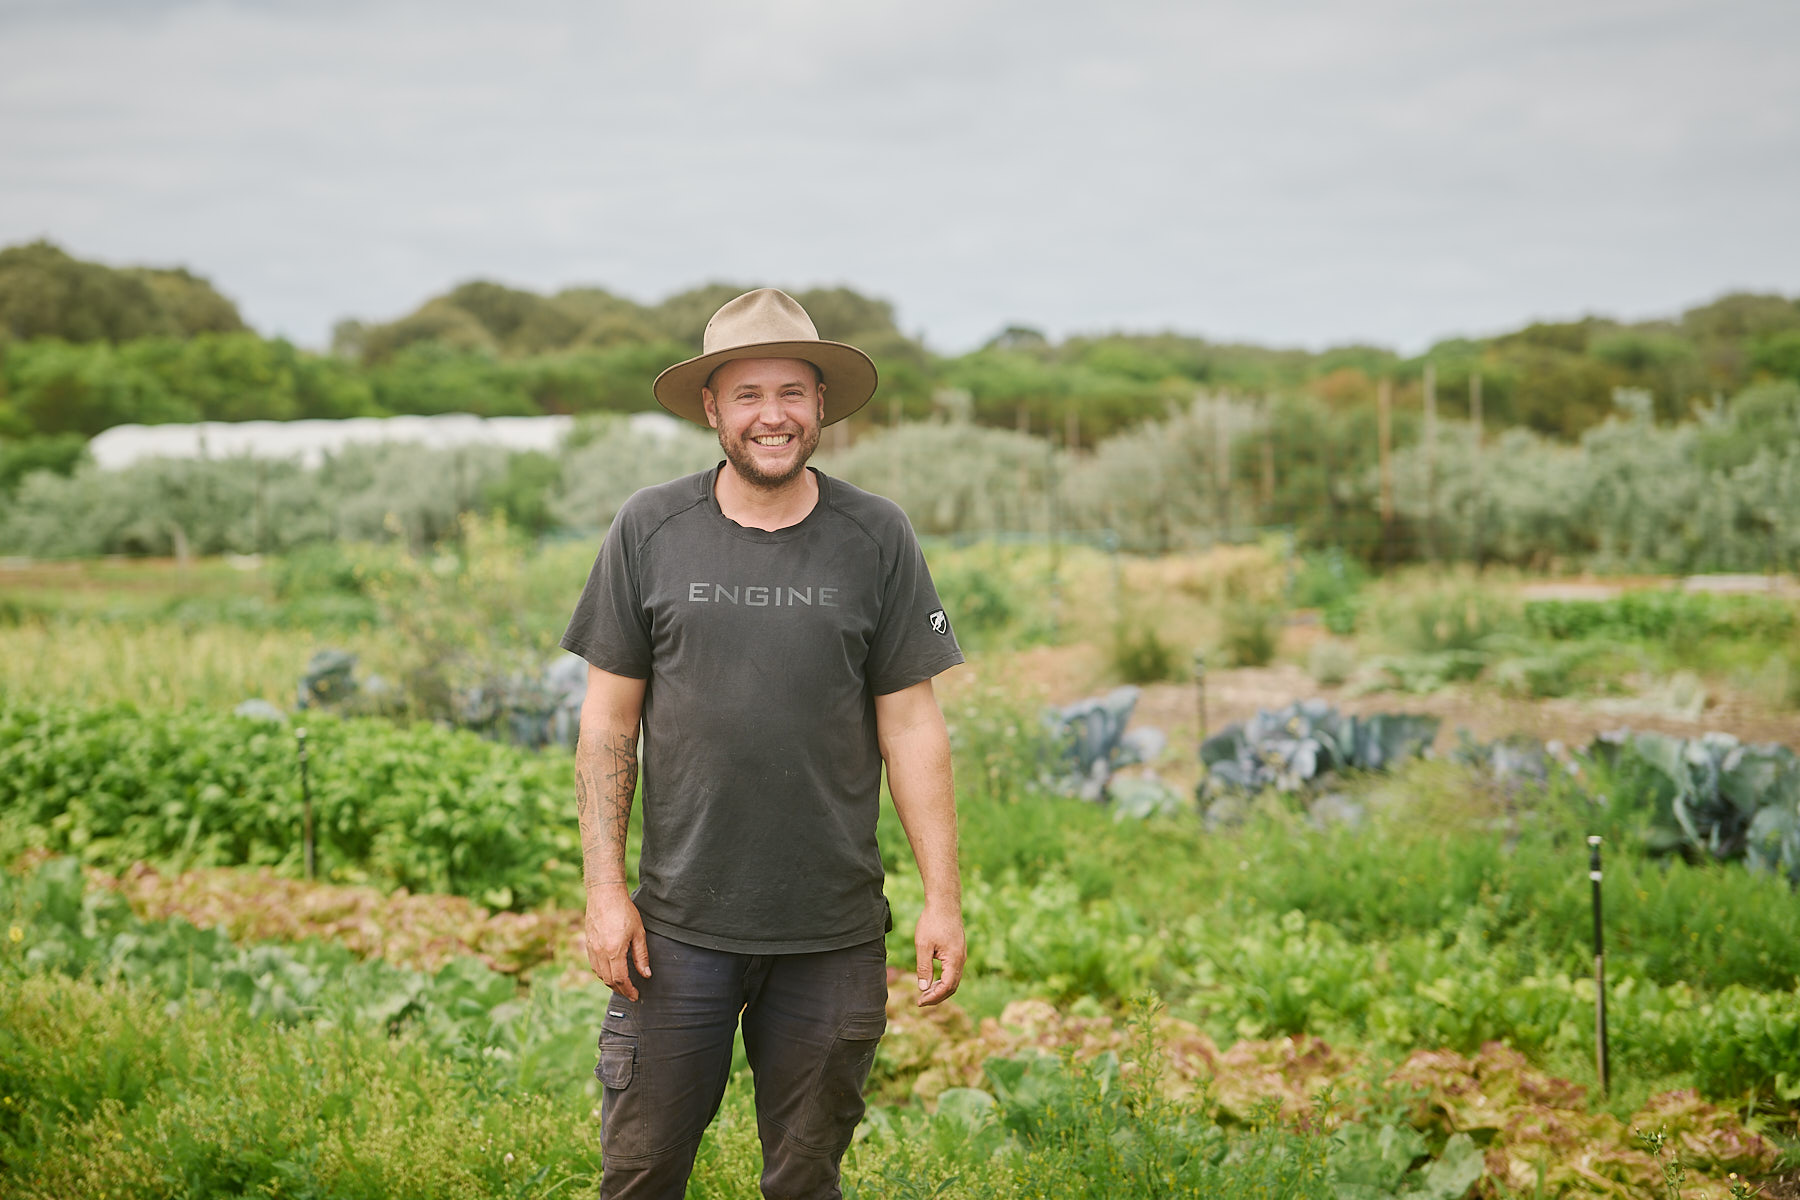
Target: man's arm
(916, 746)
(606, 771)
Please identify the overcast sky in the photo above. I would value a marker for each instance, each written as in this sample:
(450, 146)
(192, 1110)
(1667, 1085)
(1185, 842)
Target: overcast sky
(1301, 172)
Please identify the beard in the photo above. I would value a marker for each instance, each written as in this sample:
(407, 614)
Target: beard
(742, 459)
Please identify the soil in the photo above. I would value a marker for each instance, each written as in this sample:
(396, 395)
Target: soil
(1785, 1186)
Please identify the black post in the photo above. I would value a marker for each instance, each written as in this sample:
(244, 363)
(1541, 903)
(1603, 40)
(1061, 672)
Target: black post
(306, 807)
(1600, 1060)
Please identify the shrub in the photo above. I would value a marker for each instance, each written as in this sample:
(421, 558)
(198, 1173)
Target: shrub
(1250, 634)
(1458, 618)
(1327, 579)
(1330, 661)
(1139, 655)
(979, 604)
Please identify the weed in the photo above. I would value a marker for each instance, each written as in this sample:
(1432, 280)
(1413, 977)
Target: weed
(1139, 655)
(979, 602)
(1250, 633)
(1457, 618)
(1328, 580)
(1330, 661)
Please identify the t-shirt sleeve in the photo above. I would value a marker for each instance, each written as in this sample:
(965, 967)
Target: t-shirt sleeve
(913, 640)
(609, 627)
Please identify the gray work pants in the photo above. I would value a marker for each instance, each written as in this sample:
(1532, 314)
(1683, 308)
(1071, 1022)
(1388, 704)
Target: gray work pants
(811, 1023)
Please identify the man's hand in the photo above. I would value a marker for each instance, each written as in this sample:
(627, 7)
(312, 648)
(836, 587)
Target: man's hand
(615, 939)
(939, 937)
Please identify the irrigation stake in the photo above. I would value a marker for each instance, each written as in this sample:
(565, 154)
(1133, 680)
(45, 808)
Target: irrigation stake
(1600, 1061)
(306, 805)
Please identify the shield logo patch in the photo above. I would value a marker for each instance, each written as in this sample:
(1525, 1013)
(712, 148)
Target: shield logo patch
(939, 622)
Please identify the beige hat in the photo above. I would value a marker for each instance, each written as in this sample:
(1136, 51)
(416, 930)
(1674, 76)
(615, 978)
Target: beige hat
(768, 323)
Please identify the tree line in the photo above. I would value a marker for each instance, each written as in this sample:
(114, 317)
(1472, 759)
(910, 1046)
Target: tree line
(84, 346)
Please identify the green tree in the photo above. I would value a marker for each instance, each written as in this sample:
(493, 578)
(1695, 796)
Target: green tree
(58, 453)
(191, 304)
(436, 321)
(1776, 354)
(520, 322)
(55, 387)
(47, 293)
(44, 293)
(431, 377)
(682, 317)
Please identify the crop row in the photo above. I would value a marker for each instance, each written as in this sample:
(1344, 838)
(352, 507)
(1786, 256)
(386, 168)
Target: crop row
(1254, 973)
(420, 807)
(108, 1079)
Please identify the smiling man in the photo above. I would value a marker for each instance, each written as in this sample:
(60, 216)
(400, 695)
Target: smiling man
(773, 634)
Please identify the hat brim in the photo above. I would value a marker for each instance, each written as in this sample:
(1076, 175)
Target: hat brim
(848, 374)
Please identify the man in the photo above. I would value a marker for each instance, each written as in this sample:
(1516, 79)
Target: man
(774, 634)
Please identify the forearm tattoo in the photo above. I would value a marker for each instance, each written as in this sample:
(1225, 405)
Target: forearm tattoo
(605, 777)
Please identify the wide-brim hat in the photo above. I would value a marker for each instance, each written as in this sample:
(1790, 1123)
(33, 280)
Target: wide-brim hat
(768, 323)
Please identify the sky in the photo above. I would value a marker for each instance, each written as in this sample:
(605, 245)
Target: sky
(1290, 172)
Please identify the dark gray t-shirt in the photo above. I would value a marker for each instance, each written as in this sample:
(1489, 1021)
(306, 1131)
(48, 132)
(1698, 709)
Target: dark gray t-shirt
(764, 652)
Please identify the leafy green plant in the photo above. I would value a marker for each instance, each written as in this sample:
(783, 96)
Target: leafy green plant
(1711, 796)
(420, 807)
(1561, 671)
(1331, 581)
(1455, 619)
(1139, 655)
(1422, 673)
(1297, 746)
(1330, 661)
(978, 598)
(1250, 633)
(1648, 615)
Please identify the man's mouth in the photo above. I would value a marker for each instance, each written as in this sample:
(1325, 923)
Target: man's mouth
(773, 439)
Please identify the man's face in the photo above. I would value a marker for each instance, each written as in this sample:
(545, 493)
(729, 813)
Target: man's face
(767, 412)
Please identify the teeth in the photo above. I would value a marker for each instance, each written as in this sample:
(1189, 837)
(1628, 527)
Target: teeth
(776, 440)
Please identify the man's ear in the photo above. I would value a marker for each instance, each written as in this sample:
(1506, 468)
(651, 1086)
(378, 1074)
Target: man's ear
(821, 402)
(711, 406)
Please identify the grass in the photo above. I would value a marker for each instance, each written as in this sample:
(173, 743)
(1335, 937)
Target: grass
(167, 665)
(109, 1094)
(105, 1093)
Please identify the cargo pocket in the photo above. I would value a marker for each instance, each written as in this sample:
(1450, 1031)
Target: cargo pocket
(624, 1120)
(618, 1060)
(618, 1044)
(838, 1100)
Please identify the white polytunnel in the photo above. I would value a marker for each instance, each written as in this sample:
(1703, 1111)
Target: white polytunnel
(310, 441)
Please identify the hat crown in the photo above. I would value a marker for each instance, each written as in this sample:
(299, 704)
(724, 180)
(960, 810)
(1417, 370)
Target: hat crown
(764, 315)
(767, 323)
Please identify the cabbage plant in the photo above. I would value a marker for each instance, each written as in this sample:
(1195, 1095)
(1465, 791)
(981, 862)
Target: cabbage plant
(1711, 796)
(1296, 747)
